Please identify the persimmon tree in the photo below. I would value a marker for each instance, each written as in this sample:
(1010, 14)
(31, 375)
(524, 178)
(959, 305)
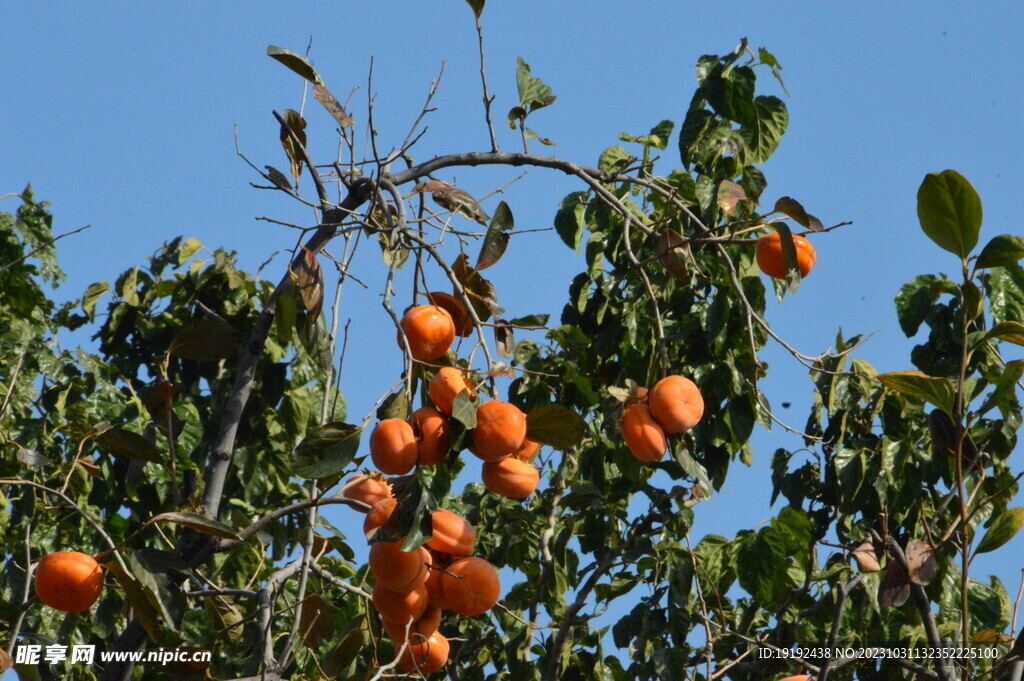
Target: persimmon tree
(192, 451)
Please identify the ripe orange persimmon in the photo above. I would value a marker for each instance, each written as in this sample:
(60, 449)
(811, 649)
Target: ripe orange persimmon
(393, 447)
(69, 581)
(773, 263)
(500, 430)
(379, 514)
(399, 606)
(396, 569)
(434, 441)
(676, 404)
(510, 478)
(430, 331)
(471, 586)
(423, 627)
(526, 451)
(368, 489)
(445, 385)
(644, 437)
(452, 533)
(426, 656)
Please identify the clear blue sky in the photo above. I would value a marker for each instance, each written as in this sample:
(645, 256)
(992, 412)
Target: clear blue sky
(123, 116)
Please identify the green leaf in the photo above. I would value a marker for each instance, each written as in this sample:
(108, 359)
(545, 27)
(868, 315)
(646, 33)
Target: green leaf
(92, 296)
(313, 336)
(477, 5)
(937, 391)
(394, 406)
(1002, 529)
(769, 60)
(614, 159)
(795, 210)
(972, 299)
(1011, 332)
(464, 409)
(763, 135)
(225, 617)
(569, 219)
(1004, 386)
(1006, 293)
(788, 256)
(129, 287)
(296, 63)
(343, 655)
(533, 93)
(286, 312)
(696, 123)
(497, 237)
(1002, 250)
(657, 137)
(126, 443)
(196, 522)
(730, 92)
(555, 425)
(693, 469)
(205, 340)
(136, 596)
(913, 302)
(949, 210)
(414, 515)
(327, 450)
(516, 113)
(188, 249)
(295, 410)
(790, 532)
(533, 320)
(157, 561)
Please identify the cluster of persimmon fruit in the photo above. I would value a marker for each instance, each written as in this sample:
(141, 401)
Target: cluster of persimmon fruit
(412, 588)
(674, 405)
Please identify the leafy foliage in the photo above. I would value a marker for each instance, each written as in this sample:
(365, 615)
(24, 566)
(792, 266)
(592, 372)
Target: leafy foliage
(193, 353)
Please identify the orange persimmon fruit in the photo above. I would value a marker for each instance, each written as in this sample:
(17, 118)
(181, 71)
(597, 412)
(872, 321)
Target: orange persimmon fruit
(432, 431)
(68, 580)
(772, 262)
(471, 586)
(510, 477)
(500, 430)
(393, 447)
(430, 331)
(676, 404)
(644, 437)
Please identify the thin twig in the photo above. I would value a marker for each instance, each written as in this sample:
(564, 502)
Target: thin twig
(16, 629)
(39, 248)
(488, 99)
(73, 506)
